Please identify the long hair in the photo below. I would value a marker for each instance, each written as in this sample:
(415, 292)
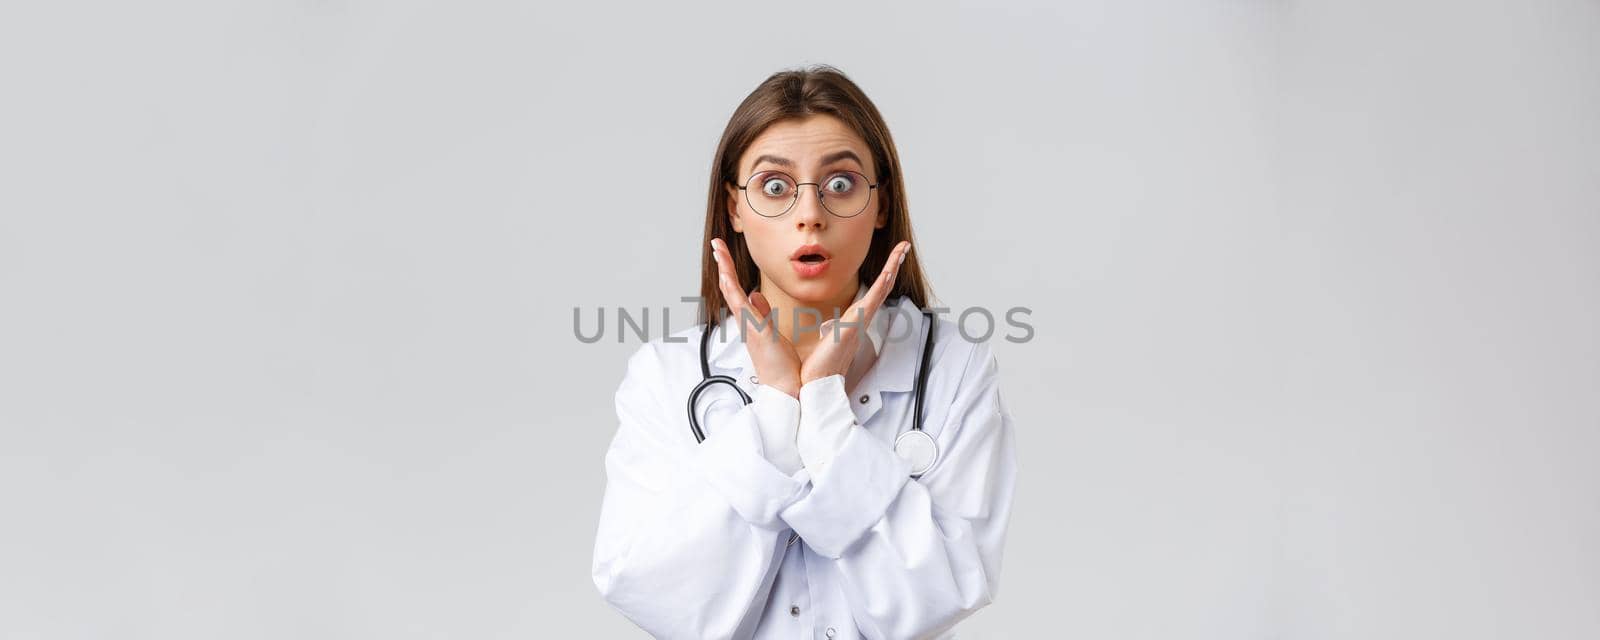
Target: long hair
(796, 93)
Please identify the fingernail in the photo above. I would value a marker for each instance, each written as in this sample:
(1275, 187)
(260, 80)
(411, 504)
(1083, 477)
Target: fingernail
(722, 278)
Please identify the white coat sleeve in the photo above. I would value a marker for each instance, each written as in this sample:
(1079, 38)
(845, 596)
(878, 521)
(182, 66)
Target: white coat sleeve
(689, 538)
(917, 555)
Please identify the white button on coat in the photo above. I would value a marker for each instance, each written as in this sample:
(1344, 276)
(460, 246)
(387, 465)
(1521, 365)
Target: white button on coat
(692, 536)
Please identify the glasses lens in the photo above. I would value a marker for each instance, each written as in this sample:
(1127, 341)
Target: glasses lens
(770, 193)
(845, 193)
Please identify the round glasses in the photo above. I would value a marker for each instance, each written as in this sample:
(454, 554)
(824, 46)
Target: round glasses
(772, 193)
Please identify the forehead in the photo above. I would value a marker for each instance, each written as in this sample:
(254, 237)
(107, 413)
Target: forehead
(805, 140)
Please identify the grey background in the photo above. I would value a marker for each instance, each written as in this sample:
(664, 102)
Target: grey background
(286, 296)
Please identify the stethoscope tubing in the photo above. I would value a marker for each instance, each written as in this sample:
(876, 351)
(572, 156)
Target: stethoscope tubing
(707, 380)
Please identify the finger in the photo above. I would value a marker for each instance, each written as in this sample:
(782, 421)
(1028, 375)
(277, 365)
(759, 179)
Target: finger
(719, 251)
(879, 291)
(759, 303)
(729, 296)
(727, 279)
(831, 330)
(733, 293)
(891, 268)
(726, 284)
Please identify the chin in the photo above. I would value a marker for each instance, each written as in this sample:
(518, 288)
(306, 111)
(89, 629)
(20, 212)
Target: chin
(813, 291)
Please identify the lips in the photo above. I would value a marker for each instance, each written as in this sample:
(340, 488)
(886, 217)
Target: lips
(811, 253)
(810, 261)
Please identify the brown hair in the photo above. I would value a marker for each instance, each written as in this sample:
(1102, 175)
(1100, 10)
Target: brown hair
(796, 93)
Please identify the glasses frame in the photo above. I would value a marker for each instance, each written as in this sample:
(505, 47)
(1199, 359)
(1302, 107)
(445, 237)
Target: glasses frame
(871, 186)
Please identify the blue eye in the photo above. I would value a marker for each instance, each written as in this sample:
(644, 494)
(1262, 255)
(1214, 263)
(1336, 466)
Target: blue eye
(841, 183)
(775, 186)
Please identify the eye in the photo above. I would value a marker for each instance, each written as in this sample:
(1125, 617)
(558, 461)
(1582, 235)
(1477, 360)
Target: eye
(774, 186)
(841, 183)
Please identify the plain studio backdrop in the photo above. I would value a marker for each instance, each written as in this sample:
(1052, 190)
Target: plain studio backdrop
(287, 293)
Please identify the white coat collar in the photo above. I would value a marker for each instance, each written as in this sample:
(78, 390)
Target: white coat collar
(895, 368)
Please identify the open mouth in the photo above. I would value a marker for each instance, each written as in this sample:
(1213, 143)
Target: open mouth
(810, 261)
(810, 254)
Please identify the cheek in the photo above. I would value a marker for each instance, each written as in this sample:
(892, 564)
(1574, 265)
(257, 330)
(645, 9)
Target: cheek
(764, 248)
(860, 239)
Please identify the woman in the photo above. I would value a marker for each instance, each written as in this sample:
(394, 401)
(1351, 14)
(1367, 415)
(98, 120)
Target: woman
(798, 516)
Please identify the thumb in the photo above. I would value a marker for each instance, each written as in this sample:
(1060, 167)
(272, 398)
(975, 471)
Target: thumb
(760, 303)
(825, 330)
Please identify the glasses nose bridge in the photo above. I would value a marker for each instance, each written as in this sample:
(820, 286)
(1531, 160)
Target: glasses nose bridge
(816, 187)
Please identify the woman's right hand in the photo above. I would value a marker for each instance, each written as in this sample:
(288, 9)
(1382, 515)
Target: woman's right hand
(776, 362)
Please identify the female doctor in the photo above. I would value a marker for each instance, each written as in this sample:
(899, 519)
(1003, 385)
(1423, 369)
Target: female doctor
(810, 509)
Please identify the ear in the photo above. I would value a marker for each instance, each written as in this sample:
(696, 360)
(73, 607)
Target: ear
(883, 215)
(733, 209)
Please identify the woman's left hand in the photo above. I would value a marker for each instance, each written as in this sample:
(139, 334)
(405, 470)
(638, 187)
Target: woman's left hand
(833, 354)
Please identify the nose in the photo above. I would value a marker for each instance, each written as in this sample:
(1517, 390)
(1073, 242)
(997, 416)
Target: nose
(809, 213)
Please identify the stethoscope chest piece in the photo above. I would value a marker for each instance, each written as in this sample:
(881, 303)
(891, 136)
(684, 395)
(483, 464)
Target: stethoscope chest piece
(917, 448)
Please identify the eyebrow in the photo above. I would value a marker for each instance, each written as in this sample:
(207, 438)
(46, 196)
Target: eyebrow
(836, 156)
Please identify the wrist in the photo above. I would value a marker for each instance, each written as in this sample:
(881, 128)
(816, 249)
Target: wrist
(790, 386)
(825, 421)
(807, 377)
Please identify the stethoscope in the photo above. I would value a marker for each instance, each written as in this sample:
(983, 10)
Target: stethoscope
(915, 446)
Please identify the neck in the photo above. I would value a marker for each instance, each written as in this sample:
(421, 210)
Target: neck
(797, 319)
